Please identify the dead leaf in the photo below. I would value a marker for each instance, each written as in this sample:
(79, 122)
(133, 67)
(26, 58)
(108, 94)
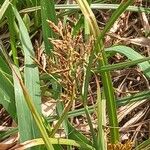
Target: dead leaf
(141, 41)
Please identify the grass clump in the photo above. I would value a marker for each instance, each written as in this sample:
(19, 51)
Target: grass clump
(62, 83)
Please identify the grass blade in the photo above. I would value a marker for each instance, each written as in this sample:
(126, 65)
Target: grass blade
(132, 55)
(116, 14)
(8, 133)
(38, 119)
(31, 76)
(124, 64)
(7, 97)
(144, 145)
(24, 118)
(92, 6)
(4, 8)
(101, 117)
(12, 31)
(30, 71)
(47, 13)
(105, 76)
(60, 141)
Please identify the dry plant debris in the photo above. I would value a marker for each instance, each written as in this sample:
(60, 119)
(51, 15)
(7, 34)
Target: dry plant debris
(71, 52)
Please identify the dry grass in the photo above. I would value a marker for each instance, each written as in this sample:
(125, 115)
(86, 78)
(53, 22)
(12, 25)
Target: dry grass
(69, 57)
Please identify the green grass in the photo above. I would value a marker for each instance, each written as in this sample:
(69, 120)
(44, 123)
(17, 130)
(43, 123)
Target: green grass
(24, 83)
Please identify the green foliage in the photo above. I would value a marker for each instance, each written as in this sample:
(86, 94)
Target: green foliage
(31, 79)
(47, 13)
(132, 55)
(20, 89)
(7, 98)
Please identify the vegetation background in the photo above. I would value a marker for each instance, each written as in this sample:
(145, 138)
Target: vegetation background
(74, 74)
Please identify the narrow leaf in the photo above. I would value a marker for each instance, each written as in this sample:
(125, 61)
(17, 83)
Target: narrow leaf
(132, 55)
(47, 13)
(4, 8)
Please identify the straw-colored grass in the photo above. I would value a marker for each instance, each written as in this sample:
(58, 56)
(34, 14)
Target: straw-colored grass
(74, 75)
